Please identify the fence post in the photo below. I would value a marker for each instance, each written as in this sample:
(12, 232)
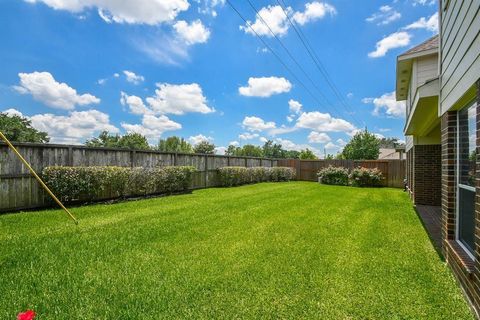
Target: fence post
(246, 163)
(133, 153)
(206, 171)
(175, 159)
(70, 156)
(299, 170)
(228, 161)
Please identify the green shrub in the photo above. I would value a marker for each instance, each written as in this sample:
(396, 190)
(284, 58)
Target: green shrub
(364, 177)
(235, 176)
(333, 175)
(93, 183)
(279, 174)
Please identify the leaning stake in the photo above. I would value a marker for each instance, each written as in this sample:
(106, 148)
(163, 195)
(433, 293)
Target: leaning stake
(10, 145)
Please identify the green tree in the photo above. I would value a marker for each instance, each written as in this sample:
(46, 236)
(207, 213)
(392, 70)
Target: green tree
(291, 154)
(250, 150)
(363, 146)
(232, 150)
(329, 157)
(19, 129)
(204, 147)
(174, 144)
(133, 141)
(273, 150)
(388, 143)
(307, 154)
(104, 139)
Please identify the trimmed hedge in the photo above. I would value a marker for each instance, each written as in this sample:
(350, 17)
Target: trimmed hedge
(93, 183)
(363, 177)
(359, 177)
(333, 175)
(235, 176)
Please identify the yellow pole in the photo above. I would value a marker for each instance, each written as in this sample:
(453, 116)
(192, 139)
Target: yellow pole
(37, 177)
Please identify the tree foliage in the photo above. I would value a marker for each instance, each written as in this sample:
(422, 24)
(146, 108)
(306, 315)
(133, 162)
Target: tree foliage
(19, 129)
(133, 141)
(174, 144)
(363, 146)
(204, 147)
(307, 154)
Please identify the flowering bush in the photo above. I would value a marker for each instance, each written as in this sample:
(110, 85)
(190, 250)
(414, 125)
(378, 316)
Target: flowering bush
(333, 175)
(364, 177)
(91, 183)
(235, 176)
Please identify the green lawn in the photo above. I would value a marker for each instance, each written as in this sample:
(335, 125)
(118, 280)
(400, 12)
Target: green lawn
(273, 250)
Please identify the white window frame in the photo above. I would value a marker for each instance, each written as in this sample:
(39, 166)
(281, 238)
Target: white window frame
(459, 185)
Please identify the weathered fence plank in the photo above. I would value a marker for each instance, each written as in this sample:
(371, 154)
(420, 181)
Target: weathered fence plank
(18, 190)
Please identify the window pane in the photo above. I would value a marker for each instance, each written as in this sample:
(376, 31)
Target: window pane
(466, 219)
(467, 145)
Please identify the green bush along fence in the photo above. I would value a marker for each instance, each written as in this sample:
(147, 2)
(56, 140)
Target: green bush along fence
(19, 190)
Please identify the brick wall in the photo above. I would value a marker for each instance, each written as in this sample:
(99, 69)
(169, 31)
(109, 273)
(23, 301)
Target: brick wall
(427, 175)
(466, 270)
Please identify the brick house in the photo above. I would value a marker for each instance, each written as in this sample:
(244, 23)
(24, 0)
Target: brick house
(440, 82)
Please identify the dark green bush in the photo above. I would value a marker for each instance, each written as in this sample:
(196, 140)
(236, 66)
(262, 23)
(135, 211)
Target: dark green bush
(364, 177)
(333, 175)
(92, 183)
(235, 176)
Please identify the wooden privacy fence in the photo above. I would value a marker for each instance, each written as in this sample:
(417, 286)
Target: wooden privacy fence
(19, 190)
(393, 170)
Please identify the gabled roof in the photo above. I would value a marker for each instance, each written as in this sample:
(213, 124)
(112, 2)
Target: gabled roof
(430, 44)
(405, 62)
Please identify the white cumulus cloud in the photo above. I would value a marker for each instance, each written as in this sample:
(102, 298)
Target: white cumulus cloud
(44, 88)
(257, 124)
(75, 128)
(318, 137)
(392, 41)
(151, 12)
(265, 87)
(388, 103)
(179, 99)
(248, 136)
(152, 127)
(294, 106)
(192, 33)
(385, 15)
(135, 104)
(132, 77)
(194, 140)
(430, 24)
(275, 18)
(318, 121)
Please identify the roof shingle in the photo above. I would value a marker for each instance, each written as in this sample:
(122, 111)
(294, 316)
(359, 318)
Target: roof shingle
(431, 43)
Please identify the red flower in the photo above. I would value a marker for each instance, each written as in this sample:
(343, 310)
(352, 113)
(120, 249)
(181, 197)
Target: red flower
(27, 315)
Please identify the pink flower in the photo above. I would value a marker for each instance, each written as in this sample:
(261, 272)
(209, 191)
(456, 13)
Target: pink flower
(27, 315)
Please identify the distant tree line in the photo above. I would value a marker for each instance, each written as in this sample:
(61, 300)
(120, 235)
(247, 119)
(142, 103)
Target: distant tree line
(364, 145)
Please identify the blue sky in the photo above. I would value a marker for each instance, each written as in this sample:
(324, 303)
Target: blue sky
(194, 68)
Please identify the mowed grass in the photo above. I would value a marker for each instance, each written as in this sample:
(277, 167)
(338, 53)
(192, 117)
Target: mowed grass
(272, 250)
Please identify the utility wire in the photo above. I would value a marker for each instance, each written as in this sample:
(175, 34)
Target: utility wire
(291, 55)
(311, 52)
(274, 53)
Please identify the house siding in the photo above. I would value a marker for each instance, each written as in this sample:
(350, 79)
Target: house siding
(460, 51)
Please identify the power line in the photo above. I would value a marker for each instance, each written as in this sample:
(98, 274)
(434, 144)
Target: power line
(290, 54)
(311, 52)
(273, 52)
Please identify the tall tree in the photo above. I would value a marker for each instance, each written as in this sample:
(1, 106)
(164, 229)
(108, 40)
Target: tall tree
(363, 146)
(133, 141)
(104, 139)
(273, 150)
(204, 147)
(174, 144)
(19, 129)
(307, 154)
